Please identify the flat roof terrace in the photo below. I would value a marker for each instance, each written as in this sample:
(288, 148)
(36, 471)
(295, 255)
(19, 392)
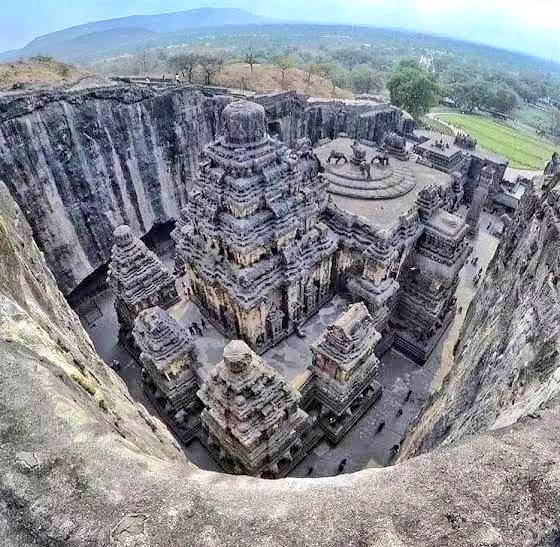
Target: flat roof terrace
(392, 191)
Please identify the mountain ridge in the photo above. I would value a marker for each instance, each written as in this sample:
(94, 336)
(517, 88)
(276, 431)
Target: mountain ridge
(58, 43)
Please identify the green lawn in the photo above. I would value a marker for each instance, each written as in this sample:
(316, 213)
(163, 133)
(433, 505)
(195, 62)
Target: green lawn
(522, 149)
(434, 125)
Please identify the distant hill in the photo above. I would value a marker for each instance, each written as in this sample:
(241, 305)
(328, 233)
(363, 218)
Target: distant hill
(92, 39)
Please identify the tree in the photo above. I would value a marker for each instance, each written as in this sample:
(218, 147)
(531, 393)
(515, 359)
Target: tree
(251, 57)
(472, 95)
(505, 100)
(211, 63)
(311, 69)
(284, 63)
(185, 63)
(336, 74)
(365, 80)
(413, 89)
(145, 60)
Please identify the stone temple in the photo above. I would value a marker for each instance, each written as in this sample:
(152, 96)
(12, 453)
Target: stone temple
(344, 367)
(252, 418)
(139, 280)
(169, 365)
(258, 257)
(269, 235)
(85, 461)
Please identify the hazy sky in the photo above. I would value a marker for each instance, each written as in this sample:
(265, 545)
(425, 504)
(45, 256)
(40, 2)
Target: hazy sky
(526, 25)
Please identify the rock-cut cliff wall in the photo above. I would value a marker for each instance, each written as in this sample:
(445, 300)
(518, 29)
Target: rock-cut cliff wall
(507, 364)
(80, 164)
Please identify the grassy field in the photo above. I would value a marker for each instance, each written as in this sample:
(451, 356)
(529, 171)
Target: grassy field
(523, 150)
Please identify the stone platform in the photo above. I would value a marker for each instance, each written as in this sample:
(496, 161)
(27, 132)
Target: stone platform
(387, 182)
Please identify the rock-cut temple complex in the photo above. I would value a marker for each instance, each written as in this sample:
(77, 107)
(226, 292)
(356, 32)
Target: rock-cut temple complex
(258, 257)
(269, 235)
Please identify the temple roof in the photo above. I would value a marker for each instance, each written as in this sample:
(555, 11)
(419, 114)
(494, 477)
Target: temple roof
(162, 340)
(350, 337)
(135, 273)
(245, 396)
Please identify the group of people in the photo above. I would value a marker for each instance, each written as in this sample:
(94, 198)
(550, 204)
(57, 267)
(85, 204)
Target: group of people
(197, 330)
(394, 449)
(177, 78)
(476, 278)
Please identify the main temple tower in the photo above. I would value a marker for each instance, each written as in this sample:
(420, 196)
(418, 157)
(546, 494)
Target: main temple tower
(258, 259)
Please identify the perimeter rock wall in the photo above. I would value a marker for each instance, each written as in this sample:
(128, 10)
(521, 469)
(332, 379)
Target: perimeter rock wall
(80, 164)
(507, 364)
(81, 464)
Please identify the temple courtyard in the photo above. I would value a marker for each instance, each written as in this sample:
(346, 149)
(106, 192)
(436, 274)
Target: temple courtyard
(366, 444)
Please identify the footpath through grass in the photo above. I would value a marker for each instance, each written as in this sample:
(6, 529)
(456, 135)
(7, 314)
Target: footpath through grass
(522, 149)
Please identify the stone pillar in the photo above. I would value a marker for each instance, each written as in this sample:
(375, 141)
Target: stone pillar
(480, 196)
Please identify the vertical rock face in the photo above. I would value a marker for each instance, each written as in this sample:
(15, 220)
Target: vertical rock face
(507, 358)
(81, 164)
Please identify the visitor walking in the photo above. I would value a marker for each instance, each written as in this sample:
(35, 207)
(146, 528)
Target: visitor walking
(341, 466)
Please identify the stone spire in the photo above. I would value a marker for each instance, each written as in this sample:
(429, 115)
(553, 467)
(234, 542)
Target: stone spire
(251, 419)
(169, 359)
(344, 367)
(139, 281)
(258, 258)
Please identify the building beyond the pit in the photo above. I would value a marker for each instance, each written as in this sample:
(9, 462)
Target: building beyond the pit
(270, 234)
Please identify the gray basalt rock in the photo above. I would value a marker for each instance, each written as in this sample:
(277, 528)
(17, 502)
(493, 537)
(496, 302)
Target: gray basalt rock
(79, 164)
(507, 359)
(112, 475)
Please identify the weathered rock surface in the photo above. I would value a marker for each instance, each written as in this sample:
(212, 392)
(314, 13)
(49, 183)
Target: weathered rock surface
(507, 361)
(82, 464)
(80, 164)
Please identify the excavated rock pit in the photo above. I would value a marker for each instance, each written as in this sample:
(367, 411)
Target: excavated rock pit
(82, 463)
